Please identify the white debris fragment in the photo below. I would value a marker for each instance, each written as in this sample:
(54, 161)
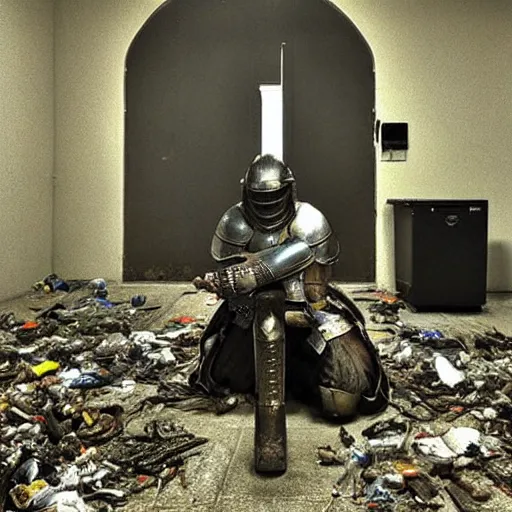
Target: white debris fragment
(212, 300)
(174, 334)
(489, 413)
(464, 358)
(448, 374)
(68, 376)
(68, 501)
(434, 447)
(166, 357)
(477, 414)
(462, 462)
(404, 355)
(459, 439)
(142, 337)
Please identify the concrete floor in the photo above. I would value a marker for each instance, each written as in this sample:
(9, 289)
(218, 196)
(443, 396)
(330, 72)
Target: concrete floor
(224, 480)
(306, 486)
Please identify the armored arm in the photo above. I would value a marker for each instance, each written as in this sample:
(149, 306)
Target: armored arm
(311, 226)
(309, 240)
(262, 268)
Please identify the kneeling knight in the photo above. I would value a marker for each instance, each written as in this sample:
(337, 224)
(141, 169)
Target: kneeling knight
(275, 257)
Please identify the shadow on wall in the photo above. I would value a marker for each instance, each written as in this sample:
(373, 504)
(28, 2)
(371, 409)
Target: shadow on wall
(499, 266)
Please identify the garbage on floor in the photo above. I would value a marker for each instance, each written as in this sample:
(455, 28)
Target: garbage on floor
(65, 441)
(401, 465)
(452, 438)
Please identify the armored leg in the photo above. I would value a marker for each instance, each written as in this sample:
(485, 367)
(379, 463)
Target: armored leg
(269, 351)
(349, 374)
(337, 403)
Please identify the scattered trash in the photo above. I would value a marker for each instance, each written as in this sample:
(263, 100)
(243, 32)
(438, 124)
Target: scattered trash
(448, 374)
(430, 335)
(212, 300)
(461, 439)
(138, 300)
(104, 302)
(434, 448)
(45, 368)
(404, 355)
(355, 460)
(99, 288)
(88, 380)
(489, 413)
(59, 449)
(386, 310)
(29, 325)
(182, 320)
(327, 456)
(419, 459)
(346, 439)
(53, 283)
(387, 477)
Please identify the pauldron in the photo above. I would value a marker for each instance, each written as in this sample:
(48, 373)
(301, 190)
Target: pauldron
(234, 235)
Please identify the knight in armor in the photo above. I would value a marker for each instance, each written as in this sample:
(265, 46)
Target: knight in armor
(275, 257)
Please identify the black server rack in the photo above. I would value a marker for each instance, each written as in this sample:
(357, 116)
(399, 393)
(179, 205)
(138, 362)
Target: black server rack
(441, 252)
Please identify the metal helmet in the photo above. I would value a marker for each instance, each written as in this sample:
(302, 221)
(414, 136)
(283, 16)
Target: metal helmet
(268, 193)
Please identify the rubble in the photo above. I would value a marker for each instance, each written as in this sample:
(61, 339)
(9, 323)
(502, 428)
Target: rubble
(73, 380)
(70, 383)
(399, 466)
(452, 438)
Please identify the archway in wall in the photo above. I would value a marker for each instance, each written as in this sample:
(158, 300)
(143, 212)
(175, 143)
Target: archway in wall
(193, 126)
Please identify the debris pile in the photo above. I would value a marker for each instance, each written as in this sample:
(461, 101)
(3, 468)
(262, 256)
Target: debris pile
(453, 436)
(386, 310)
(58, 447)
(401, 465)
(436, 376)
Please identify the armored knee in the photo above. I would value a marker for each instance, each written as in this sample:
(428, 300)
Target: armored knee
(337, 403)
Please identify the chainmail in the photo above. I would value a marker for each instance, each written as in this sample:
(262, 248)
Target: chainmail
(230, 277)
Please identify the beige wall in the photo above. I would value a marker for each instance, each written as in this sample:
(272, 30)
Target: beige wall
(442, 66)
(91, 41)
(26, 143)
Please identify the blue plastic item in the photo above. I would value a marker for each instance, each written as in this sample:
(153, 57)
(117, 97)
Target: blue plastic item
(138, 300)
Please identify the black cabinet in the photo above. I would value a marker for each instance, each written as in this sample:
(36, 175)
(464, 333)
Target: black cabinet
(441, 252)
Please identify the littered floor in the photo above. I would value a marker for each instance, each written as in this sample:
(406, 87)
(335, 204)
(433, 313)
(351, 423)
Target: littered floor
(223, 478)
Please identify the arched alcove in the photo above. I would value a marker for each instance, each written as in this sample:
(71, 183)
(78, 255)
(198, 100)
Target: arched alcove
(193, 126)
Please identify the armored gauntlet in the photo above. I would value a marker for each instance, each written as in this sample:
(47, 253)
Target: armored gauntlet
(262, 268)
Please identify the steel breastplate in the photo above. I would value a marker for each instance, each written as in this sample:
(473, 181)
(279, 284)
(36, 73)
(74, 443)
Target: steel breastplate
(263, 240)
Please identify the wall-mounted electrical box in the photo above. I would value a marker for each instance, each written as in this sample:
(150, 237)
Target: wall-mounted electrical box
(394, 142)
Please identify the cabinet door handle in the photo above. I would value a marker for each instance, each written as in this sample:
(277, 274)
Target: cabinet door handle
(452, 220)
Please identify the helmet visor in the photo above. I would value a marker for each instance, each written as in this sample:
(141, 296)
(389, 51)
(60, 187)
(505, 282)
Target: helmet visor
(267, 197)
